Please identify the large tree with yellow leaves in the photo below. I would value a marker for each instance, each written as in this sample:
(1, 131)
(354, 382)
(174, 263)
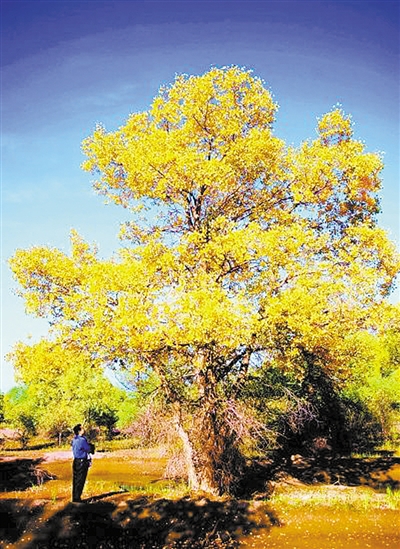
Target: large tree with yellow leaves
(241, 252)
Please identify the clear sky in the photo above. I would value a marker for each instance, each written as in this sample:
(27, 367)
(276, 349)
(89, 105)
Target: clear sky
(67, 65)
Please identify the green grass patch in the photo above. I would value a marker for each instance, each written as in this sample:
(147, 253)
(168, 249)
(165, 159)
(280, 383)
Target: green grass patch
(163, 488)
(393, 498)
(337, 498)
(160, 488)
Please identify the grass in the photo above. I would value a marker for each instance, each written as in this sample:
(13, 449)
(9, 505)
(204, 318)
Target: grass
(337, 498)
(382, 451)
(393, 498)
(164, 488)
(161, 488)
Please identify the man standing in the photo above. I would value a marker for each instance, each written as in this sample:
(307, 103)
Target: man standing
(81, 463)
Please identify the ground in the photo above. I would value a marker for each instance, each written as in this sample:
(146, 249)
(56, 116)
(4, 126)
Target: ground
(128, 504)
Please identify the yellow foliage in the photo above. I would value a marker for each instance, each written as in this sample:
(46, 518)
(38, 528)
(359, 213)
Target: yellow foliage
(240, 245)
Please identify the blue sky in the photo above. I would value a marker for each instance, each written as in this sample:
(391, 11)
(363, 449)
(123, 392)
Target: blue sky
(68, 65)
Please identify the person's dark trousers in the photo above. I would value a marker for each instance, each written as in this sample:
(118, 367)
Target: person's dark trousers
(79, 473)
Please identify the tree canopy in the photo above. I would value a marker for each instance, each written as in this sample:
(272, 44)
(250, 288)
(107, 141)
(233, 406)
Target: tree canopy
(240, 252)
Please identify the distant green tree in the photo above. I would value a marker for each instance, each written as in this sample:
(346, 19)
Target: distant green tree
(104, 418)
(375, 381)
(21, 413)
(64, 388)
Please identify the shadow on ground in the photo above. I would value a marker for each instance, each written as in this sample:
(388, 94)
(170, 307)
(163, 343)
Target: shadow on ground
(141, 523)
(20, 474)
(378, 473)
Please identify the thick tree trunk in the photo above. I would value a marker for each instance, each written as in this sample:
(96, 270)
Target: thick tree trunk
(221, 462)
(213, 462)
(188, 453)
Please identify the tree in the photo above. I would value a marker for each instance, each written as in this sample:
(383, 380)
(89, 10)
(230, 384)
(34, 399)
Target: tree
(20, 412)
(241, 252)
(375, 379)
(64, 387)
